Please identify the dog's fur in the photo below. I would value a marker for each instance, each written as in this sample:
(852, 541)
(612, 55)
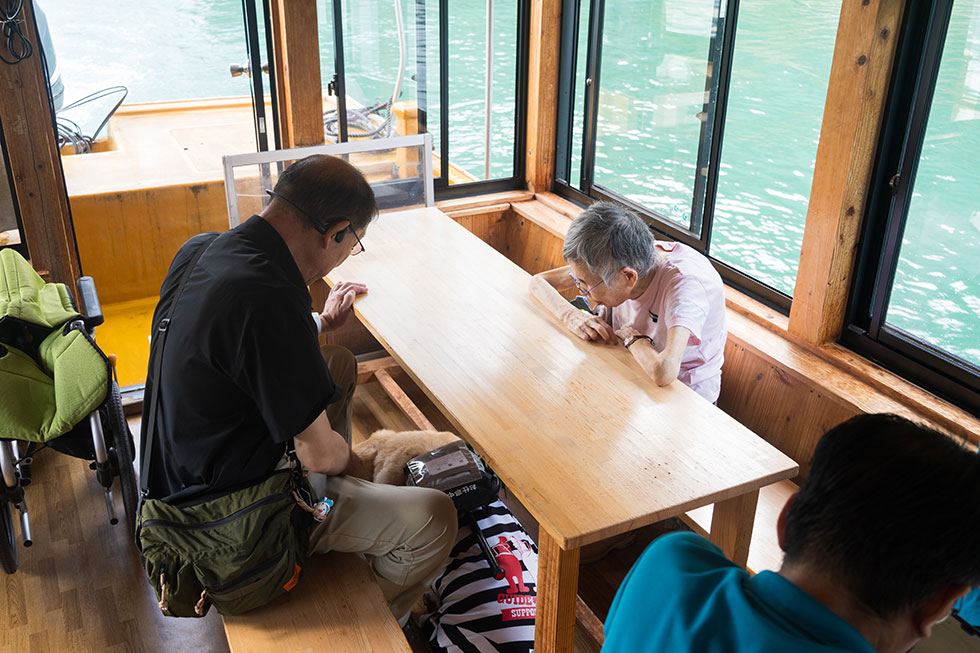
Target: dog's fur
(385, 453)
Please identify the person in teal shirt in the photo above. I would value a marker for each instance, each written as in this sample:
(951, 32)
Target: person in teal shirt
(880, 542)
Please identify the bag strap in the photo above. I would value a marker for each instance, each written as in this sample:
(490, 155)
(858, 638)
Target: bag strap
(156, 361)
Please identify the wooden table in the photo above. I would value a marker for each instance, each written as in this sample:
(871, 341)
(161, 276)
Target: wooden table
(588, 444)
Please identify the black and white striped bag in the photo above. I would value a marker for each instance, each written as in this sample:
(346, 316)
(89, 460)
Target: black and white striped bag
(478, 612)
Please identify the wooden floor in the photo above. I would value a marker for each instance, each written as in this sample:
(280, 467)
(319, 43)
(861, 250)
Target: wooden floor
(80, 587)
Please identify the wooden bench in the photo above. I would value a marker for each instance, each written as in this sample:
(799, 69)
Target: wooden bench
(337, 606)
(764, 551)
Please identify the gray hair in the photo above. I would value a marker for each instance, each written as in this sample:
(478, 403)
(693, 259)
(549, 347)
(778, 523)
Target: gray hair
(607, 238)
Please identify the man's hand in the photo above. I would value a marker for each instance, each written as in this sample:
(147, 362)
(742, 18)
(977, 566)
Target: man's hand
(589, 327)
(341, 298)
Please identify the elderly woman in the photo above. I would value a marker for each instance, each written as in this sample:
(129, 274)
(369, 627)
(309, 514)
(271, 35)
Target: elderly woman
(663, 300)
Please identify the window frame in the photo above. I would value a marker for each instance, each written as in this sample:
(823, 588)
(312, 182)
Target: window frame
(913, 83)
(443, 188)
(705, 188)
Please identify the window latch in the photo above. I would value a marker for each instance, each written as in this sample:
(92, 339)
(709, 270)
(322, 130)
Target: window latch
(332, 85)
(894, 182)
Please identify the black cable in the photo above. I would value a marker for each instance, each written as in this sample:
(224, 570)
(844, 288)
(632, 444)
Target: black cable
(69, 131)
(17, 44)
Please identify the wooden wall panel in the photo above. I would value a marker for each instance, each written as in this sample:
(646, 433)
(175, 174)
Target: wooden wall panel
(491, 227)
(129, 239)
(779, 406)
(531, 246)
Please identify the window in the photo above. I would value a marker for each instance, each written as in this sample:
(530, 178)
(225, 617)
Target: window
(456, 74)
(917, 295)
(703, 116)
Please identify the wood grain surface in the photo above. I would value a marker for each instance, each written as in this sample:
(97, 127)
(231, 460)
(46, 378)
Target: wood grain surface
(581, 436)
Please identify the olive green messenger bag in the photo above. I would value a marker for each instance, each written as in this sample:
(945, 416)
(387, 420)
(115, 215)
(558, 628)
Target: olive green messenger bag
(237, 551)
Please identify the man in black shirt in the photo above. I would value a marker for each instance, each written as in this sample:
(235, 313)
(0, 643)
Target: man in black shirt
(243, 373)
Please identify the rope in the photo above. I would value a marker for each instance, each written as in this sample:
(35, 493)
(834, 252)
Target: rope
(302, 504)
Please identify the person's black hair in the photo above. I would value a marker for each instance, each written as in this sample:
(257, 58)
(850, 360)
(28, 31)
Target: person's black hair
(327, 189)
(890, 510)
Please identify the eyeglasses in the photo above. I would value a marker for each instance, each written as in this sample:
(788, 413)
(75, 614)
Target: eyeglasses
(581, 285)
(321, 228)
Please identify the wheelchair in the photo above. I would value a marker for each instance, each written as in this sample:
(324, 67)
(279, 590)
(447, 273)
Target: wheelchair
(57, 391)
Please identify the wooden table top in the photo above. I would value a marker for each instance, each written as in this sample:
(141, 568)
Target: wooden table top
(584, 439)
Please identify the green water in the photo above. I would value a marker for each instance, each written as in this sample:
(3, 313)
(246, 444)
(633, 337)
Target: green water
(652, 90)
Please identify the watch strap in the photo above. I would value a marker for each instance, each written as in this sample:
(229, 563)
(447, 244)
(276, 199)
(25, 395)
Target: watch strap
(639, 336)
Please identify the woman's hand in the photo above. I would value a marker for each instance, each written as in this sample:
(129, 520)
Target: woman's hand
(625, 332)
(589, 327)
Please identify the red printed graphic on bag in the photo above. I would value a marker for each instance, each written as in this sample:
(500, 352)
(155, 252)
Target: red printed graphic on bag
(518, 601)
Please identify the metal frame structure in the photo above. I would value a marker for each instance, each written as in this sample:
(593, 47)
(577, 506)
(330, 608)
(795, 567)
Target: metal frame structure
(698, 232)
(255, 68)
(443, 189)
(914, 80)
(232, 161)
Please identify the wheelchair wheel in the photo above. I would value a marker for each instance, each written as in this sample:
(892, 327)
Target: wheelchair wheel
(123, 451)
(8, 539)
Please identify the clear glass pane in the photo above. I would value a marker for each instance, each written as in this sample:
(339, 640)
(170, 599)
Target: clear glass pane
(936, 294)
(578, 106)
(468, 74)
(379, 71)
(772, 125)
(178, 50)
(393, 173)
(653, 101)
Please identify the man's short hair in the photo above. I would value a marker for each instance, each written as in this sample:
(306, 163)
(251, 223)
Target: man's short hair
(327, 189)
(606, 237)
(890, 510)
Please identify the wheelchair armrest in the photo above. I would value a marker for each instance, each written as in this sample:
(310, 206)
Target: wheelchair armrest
(89, 299)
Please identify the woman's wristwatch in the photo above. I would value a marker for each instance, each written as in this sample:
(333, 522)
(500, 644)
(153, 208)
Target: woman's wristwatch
(639, 336)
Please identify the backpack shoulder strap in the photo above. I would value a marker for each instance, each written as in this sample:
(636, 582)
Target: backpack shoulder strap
(156, 361)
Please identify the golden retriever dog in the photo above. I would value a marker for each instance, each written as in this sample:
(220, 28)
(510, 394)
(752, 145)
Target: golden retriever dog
(385, 453)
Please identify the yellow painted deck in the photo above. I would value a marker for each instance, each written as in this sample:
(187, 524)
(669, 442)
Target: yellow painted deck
(125, 333)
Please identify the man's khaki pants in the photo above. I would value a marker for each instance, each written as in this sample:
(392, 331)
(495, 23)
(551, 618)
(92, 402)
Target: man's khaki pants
(406, 532)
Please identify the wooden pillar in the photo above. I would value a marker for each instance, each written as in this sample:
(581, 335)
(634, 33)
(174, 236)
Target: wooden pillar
(296, 49)
(297, 58)
(542, 93)
(859, 75)
(35, 163)
(557, 595)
